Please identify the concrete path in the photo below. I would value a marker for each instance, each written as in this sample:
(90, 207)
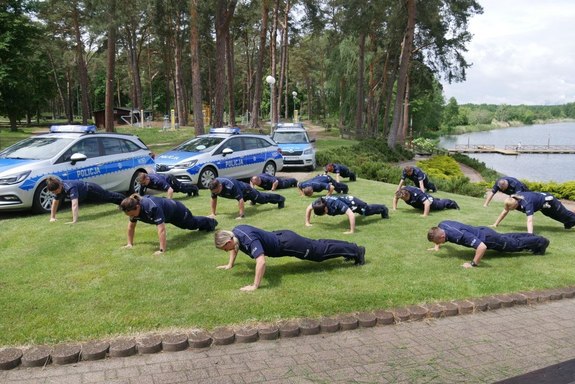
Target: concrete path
(483, 347)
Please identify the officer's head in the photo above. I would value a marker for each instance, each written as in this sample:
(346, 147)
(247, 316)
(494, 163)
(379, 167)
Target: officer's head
(215, 186)
(53, 184)
(319, 207)
(408, 170)
(510, 204)
(403, 194)
(143, 178)
(436, 235)
(308, 191)
(226, 240)
(131, 205)
(329, 167)
(256, 180)
(503, 184)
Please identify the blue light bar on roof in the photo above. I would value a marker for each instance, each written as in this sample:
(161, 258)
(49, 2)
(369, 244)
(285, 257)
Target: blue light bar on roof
(73, 128)
(228, 130)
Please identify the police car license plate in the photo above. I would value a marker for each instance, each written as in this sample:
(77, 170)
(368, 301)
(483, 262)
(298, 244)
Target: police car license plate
(288, 158)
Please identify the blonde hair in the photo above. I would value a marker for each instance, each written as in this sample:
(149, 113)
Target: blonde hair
(510, 203)
(221, 238)
(402, 194)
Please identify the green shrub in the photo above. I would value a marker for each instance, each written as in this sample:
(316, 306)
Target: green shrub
(443, 167)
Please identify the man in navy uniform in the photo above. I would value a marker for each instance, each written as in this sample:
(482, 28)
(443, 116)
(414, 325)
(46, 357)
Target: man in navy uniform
(508, 185)
(531, 202)
(257, 244)
(321, 183)
(159, 211)
(340, 170)
(484, 238)
(344, 205)
(421, 200)
(235, 189)
(418, 177)
(76, 191)
(271, 183)
(166, 183)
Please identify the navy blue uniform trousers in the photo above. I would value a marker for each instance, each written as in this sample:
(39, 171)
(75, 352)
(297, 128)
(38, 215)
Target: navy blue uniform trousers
(292, 244)
(178, 186)
(98, 194)
(440, 204)
(262, 197)
(186, 220)
(557, 211)
(514, 242)
(365, 209)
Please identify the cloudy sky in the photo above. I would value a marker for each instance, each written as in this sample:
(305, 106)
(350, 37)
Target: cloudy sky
(523, 52)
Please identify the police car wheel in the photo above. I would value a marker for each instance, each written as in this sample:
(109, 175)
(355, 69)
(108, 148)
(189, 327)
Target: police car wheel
(42, 199)
(207, 175)
(270, 168)
(135, 187)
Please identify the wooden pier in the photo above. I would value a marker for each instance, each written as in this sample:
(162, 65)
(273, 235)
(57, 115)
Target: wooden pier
(513, 150)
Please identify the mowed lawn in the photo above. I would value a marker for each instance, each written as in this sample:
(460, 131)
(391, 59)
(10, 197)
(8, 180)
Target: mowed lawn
(63, 282)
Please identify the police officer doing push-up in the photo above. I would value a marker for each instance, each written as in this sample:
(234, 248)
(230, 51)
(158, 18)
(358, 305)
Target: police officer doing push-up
(159, 211)
(421, 200)
(76, 191)
(321, 183)
(418, 177)
(531, 202)
(271, 183)
(340, 170)
(344, 205)
(257, 244)
(235, 189)
(484, 238)
(508, 185)
(166, 183)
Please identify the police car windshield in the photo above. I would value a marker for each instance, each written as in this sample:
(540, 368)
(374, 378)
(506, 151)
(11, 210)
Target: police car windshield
(200, 144)
(36, 148)
(289, 137)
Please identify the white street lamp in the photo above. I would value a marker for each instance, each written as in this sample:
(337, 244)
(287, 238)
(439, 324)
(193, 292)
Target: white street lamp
(271, 81)
(294, 94)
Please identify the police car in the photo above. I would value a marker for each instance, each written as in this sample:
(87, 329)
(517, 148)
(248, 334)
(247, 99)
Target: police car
(295, 144)
(223, 152)
(70, 152)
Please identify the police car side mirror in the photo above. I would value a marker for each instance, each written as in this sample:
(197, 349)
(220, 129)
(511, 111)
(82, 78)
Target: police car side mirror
(77, 157)
(227, 151)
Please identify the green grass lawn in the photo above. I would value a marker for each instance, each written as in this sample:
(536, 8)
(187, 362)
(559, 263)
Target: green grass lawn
(64, 282)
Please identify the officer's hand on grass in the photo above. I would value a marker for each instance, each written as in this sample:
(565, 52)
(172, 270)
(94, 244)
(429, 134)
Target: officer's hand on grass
(213, 215)
(53, 219)
(308, 224)
(432, 249)
(249, 288)
(158, 253)
(348, 232)
(127, 246)
(223, 267)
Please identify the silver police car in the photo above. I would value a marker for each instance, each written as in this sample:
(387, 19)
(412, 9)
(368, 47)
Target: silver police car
(224, 152)
(70, 152)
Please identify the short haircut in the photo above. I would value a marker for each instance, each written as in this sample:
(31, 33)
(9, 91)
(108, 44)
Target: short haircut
(214, 184)
(308, 191)
(434, 233)
(53, 183)
(318, 206)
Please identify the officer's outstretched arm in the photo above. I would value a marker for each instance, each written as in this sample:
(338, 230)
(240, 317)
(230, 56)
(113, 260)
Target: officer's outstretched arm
(161, 228)
(401, 182)
(500, 217)
(241, 205)
(351, 218)
(490, 195)
(394, 205)
(421, 186)
(214, 205)
(308, 216)
(170, 192)
(530, 224)
(426, 208)
(233, 253)
(260, 271)
(54, 209)
(479, 252)
(131, 232)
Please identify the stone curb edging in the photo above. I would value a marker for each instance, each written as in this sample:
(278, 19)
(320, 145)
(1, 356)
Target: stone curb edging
(70, 353)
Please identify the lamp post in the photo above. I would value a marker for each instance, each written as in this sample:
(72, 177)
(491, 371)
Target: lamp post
(271, 81)
(294, 94)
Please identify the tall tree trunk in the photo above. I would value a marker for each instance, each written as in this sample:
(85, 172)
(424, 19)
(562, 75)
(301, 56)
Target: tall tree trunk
(224, 14)
(401, 137)
(359, 113)
(81, 62)
(230, 66)
(196, 75)
(284, 60)
(406, 49)
(181, 105)
(110, 69)
(258, 80)
(273, 98)
(134, 66)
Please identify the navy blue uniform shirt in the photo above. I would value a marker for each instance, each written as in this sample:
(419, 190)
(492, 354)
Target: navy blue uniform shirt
(157, 210)
(73, 189)
(255, 242)
(318, 183)
(232, 188)
(514, 186)
(417, 198)
(159, 182)
(338, 205)
(267, 181)
(463, 234)
(532, 202)
(416, 176)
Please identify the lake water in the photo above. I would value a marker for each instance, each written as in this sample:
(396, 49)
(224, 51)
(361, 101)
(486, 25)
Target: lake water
(533, 167)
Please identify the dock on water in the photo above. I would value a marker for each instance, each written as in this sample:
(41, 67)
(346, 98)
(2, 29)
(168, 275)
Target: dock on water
(513, 150)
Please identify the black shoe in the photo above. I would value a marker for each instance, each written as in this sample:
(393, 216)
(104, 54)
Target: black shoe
(385, 213)
(541, 250)
(252, 202)
(352, 178)
(360, 259)
(454, 205)
(196, 193)
(281, 204)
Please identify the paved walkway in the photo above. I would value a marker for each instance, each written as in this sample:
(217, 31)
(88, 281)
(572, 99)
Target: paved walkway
(484, 347)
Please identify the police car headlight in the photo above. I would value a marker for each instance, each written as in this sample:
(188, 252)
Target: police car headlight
(14, 179)
(308, 151)
(186, 165)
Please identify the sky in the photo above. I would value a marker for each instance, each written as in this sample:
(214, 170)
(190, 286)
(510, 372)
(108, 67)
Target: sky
(522, 51)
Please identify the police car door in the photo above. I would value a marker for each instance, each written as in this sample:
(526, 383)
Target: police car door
(90, 169)
(235, 164)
